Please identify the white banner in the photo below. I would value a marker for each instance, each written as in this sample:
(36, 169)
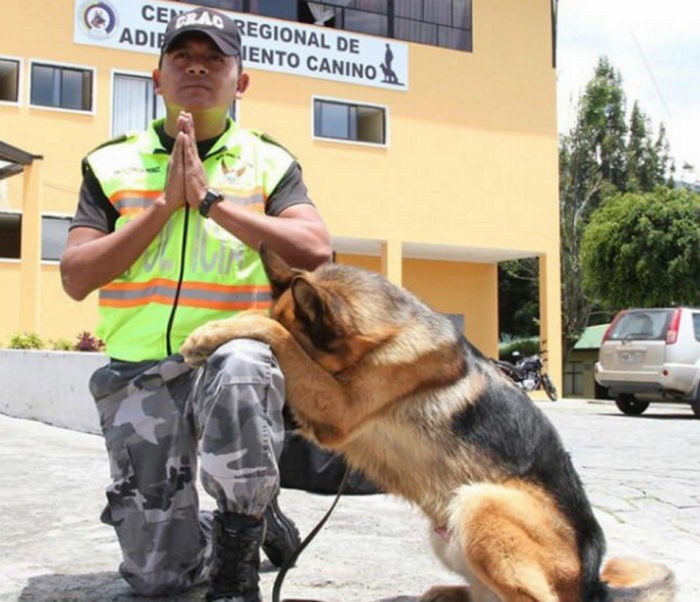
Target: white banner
(268, 44)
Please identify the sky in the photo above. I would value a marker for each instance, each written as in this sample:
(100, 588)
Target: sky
(655, 45)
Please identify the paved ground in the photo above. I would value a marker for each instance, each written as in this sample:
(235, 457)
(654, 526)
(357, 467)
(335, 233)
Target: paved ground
(642, 476)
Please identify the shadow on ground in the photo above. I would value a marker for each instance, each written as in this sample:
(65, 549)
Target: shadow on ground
(91, 587)
(110, 587)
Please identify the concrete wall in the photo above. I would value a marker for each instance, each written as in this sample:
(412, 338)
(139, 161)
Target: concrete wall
(50, 386)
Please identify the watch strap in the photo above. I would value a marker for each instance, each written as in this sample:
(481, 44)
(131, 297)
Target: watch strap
(210, 199)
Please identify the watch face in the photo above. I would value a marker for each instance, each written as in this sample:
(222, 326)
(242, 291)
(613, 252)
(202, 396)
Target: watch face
(210, 196)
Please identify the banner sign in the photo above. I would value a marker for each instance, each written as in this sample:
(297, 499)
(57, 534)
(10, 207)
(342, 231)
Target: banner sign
(268, 44)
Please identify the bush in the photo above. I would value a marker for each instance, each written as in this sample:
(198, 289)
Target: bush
(87, 342)
(61, 345)
(524, 346)
(28, 340)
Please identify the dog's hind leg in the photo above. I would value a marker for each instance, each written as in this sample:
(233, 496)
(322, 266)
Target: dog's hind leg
(516, 542)
(450, 553)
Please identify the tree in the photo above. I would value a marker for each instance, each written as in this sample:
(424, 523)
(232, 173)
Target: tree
(518, 295)
(591, 165)
(646, 162)
(643, 249)
(601, 156)
(601, 121)
(665, 168)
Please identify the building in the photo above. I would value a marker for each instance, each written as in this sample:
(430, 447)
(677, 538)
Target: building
(426, 129)
(579, 370)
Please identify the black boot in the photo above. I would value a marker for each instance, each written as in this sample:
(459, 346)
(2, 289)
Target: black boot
(237, 539)
(281, 535)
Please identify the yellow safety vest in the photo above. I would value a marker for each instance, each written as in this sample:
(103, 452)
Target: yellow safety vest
(194, 270)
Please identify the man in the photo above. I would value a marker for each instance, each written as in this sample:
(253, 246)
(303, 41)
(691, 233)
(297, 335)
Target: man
(167, 228)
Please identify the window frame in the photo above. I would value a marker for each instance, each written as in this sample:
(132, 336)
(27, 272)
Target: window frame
(355, 103)
(20, 80)
(61, 65)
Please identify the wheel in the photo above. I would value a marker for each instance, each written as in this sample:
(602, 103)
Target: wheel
(630, 405)
(549, 387)
(695, 404)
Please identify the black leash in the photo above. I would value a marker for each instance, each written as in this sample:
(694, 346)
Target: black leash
(277, 588)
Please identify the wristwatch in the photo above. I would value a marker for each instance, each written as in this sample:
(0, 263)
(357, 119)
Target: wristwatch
(210, 199)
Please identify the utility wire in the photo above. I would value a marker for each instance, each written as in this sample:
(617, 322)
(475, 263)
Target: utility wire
(651, 75)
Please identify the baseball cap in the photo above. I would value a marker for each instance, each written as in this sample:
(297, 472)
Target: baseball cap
(218, 27)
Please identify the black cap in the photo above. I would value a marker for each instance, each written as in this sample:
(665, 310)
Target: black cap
(218, 27)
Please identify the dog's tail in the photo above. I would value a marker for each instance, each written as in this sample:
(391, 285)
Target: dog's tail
(632, 580)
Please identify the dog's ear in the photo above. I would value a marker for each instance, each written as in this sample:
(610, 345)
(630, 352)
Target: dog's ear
(279, 273)
(309, 305)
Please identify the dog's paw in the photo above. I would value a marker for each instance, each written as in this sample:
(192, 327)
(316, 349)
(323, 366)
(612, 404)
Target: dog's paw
(202, 342)
(194, 352)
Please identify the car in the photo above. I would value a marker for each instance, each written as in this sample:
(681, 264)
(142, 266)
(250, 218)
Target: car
(651, 355)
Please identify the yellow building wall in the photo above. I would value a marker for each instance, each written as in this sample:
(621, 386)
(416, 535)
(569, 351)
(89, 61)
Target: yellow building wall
(10, 304)
(470, 163)
(450, 288)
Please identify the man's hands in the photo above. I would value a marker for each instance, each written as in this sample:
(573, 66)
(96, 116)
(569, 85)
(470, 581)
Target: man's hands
(195, 179)
(187, 182)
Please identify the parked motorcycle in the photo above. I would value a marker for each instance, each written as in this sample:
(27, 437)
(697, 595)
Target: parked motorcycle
(527, 374)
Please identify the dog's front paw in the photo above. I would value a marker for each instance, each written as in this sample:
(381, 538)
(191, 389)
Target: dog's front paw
(202, 342)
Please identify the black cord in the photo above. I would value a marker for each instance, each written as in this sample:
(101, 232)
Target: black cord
(277, 588)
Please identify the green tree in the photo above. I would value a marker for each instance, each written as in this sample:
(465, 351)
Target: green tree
(591, 165)
(665, 168)
(647, 162)
(643, 249)
(601, 123)
(600, 156)
(518, 298)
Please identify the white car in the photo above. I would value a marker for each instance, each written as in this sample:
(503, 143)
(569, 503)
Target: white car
(651, 355)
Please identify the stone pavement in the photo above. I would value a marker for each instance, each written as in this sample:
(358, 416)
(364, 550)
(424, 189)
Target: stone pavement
(642, 475)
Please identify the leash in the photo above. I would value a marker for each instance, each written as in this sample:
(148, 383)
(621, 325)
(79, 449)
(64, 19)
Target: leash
(277, 588)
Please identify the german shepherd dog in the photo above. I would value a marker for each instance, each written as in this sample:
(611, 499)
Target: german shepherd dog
(375, 374)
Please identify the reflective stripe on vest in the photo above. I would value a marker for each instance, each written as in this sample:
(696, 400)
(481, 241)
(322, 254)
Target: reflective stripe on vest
(194, 270)
(192, 294)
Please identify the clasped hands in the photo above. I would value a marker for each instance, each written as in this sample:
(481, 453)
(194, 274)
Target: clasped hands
(186, 181)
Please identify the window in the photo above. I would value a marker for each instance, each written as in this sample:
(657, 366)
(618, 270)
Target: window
(134, 103)
(236, 5)
(61, 87)
(54, 232)
(445, 23)
(650, 324)
(9, 80)
(347, 121)
(10, 235)
(281, 9)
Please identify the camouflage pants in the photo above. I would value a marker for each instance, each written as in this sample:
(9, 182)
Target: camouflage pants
(157, 418)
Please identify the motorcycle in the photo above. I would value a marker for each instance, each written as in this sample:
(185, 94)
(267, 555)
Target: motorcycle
(527, 374)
